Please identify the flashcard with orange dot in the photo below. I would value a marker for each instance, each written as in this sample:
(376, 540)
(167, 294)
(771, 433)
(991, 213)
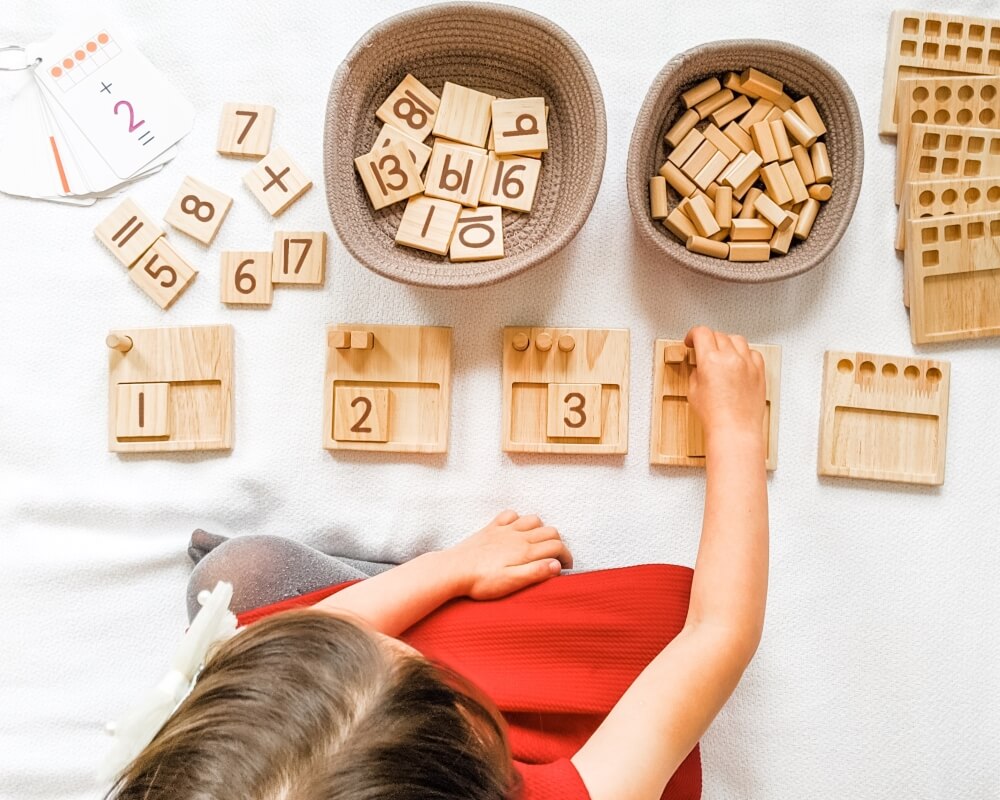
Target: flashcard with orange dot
(124, 106)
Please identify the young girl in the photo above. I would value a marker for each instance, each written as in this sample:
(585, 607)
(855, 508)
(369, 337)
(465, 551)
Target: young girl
(467, 672)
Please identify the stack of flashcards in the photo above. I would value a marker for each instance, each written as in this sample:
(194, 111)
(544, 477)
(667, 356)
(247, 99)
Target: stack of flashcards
(91, 116)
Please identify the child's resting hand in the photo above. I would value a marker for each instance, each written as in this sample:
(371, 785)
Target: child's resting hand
(510, 553)
(726, 388)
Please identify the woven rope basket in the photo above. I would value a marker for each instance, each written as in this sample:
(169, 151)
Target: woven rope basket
(505, 52)
(803, 74)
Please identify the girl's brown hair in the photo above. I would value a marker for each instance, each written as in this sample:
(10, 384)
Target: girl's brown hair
(309, 706)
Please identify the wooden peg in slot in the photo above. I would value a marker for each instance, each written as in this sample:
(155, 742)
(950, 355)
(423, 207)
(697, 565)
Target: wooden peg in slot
(520, 342)
(543, 342)
(678, 354)
(566, 343)
(119, 342)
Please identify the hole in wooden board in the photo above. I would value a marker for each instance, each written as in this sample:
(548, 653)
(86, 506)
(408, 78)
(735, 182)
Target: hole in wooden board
(926, 197)
(995, 227)
(920, 94)
(927, 163)
(949, 166)
(994, 58)
(930, 50)
(976, 144)
(952, 52)
(911, 373)
(867, 369)
(934, 375)
(941, 116)
(918, 116)
(931, 141)
(908, 47)
(995, 147)
(886, 442)
(988, 92)
(932, 27)
(964, 116)
(931, 258)
(845, 365)
(974, 55)
(954, 30)
(972, 195)
(973, 166)
(889, 370)
(995, 35)
(993, 194)
(928, 235)
(965, 92)
(952, 143)
(949, 197)
(952, 233)
(987, 115)
(977, 33)
(975, 230)
(911, 25)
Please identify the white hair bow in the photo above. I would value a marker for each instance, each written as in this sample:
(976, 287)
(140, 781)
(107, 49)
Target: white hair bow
(214, 623)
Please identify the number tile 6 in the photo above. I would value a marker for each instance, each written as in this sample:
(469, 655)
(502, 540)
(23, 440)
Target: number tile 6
(245, 278)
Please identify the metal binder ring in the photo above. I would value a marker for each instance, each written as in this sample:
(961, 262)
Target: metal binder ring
(17, 69)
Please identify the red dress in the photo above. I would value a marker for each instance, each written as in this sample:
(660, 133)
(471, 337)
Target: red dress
(555, 658)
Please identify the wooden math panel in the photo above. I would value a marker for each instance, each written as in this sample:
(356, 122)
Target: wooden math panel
(178, 384)
(587, 411)
(387, 388)
(942, 152)
(937, 198)
(952, 268)
(884, 417)
(675, 435)
(922, 43)
(962, 102)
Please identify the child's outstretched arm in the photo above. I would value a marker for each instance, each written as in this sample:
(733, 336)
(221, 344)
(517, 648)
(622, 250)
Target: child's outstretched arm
(508, 554)
(662, 715)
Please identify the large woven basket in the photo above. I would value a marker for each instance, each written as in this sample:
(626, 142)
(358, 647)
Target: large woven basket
(803, 73)
(506, 52)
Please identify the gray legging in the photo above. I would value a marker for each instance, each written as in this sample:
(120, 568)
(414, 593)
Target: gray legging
(266, 569)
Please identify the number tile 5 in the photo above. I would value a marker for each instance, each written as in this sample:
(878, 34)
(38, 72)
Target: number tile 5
(245, 130)
(162, 273)
(299, 257)
(245, 278)
(361, 414)
(198, 210)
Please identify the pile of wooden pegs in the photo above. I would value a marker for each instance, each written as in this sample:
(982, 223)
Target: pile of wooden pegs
(485, 156)
(751, 180)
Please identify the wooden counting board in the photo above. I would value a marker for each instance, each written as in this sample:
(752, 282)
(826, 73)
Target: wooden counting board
(170, 389)
(675, 435)
(565, 390)
(941, 152)
(387, 388)
(922, 44)
(937, 198)
(955, 102)
(884, 417)
(952, 268)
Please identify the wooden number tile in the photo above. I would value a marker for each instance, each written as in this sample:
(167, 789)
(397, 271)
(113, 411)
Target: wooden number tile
(277, 181)
(428, 224)
(245, 278)
(511, 182)
(565, 390)
(402, 375)
(419, 152)
(389, 175)
(676, 436)
(478, 235)
(245, 130)
(519, 126)
(925, 43)
(574, 410)
(162, 273)
(142, 411)
(464, 115)
(198, 210)
(170, 389)
(884, 417)
(128, 232)
(456, 173)
(412, 108)
(299, 257)
(952, 266)
(361, 414)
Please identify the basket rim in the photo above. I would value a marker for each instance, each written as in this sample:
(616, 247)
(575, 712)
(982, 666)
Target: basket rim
(645, 126)
(471, 274)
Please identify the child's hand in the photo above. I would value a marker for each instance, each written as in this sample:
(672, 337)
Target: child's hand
(726, 388)
(508, 554)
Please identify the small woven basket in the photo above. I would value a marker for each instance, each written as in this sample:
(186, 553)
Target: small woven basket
(803, 73)
(506, 52)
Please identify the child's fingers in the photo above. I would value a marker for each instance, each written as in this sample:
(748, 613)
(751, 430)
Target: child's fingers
(553, 548)
(541, 534)
(701, 339)
(758, 360)
(505, 517)
(527, 523)
(741, 346)
(724, 342)
(534, 571)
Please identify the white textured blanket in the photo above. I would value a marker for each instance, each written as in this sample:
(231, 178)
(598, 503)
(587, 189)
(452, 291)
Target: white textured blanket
(879, 673)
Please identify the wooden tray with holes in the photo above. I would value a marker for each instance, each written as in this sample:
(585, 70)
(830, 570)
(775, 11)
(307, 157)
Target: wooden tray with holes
(884, 417)
(952, 266)
(922, 43)
(938, 198)
(962, 102)
(675, 434)
(942, 152)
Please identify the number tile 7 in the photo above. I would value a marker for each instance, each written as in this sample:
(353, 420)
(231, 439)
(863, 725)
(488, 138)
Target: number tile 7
(245, 130)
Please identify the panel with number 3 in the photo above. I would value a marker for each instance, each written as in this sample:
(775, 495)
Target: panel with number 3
(245, 278)
(299, 257)
(162, 273)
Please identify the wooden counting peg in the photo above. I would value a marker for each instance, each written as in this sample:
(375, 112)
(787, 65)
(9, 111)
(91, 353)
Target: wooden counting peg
(543, 342)
(198, 210)
(566, 343)
(128, 232)
(389, 175)
(245, 130)
(394, 397)
(170, 389)
(678, 354)
(162, 273)
(277, 181)
(520, 341)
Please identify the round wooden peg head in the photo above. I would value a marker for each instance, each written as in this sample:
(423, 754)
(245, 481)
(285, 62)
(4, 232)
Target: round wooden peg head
(543, 341)
(520, 341)
(566, 342)
(119, 342)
